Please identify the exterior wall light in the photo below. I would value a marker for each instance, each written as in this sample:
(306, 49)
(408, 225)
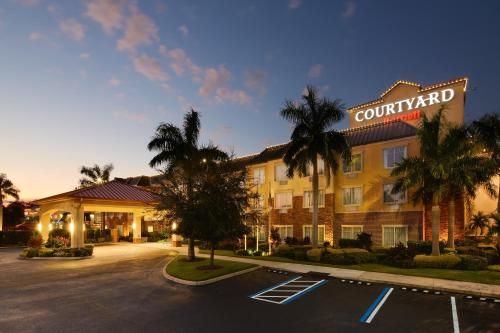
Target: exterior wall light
(40, 227)
(174, 226)
(133, 226)
(71, 227)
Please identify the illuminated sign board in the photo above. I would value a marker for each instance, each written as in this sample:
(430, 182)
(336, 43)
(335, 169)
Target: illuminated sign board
(391, 111)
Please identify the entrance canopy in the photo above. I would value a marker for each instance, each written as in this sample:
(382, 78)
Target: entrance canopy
(114, 196)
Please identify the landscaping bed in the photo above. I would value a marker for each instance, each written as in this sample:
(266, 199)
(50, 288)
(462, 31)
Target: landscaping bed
(44, 252)
(198, 270)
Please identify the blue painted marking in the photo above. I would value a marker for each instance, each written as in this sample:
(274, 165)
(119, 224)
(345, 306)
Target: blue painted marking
(374, 305)
(291, 299)
(275, 286)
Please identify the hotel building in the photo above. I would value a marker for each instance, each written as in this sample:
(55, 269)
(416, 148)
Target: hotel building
(358, 197)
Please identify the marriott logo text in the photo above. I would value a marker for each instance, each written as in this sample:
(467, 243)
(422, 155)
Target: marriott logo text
(408, 104)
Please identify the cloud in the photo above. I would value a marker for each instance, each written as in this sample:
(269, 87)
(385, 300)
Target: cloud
(36, 36)
(136, 117)
(235, 96)
(84, 55)
(149, 67)
(73, 29)
(349, 8)
(108, 13)
(184, 30)
(256, 80)
(114, 82)
(214, 78)
(180, 62)
(184, 103)
(315, 71)
(294, 4)
(140, 30)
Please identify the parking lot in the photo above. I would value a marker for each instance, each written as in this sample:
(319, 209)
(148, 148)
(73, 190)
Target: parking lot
(123, 290)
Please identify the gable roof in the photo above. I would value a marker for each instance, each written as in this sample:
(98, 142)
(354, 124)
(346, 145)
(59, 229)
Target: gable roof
(358, 136)
(409, 83)
(113, 190)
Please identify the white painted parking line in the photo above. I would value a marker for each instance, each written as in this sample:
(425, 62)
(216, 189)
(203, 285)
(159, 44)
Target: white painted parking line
(456, 327)
(375, 307)
(294, 287)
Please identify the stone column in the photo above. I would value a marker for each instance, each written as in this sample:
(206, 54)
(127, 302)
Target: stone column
(44, 222)
(137, 226)
(77, 220)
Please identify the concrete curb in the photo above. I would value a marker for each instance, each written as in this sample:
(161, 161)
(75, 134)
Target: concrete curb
(449, 286)
(204, 282)
(57, 258)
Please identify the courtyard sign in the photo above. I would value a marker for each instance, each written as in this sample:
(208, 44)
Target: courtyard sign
(390, 109)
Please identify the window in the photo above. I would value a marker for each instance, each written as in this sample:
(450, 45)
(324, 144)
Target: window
(393, 156)
(352, 196)
(307, 232)
(351, 231)
(283, 200)
(261, 230)
(280, 173)
(284, 231)
(393, 198)
(150, 228)
(308, 199)
(259, 176)
(321, 168)
(355, 165)
(394, 234)
(258, 202)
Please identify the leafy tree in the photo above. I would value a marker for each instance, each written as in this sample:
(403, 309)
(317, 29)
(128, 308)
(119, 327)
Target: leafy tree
(426, 173)
(7, 189)
(313, 137)
(486, 132)
(479, 221)
(13, 214)
(183, 161)
(95, 175)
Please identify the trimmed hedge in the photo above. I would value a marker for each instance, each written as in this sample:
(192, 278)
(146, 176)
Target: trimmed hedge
(348, 256)
(315, 254)
(473, 263)
(423, 247)
(20, 237)
(444, 261)
(349, 243)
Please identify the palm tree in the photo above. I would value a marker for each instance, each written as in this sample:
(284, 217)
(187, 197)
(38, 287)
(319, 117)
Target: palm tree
(426, 173)
(494, 228)
(95, 175)
(313, 137)
(463, 173)
(479, 221)
(7, 188)
(178, 150)
(486, 131)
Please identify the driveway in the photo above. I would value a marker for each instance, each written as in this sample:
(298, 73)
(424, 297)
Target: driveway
(122, 290)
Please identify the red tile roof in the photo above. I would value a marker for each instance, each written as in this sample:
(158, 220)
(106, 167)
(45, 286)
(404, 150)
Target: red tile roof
(113, 190)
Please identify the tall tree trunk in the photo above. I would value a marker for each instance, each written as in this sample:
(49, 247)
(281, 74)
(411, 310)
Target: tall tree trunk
(451, 222)
(498, 199)
(315, 193)
(1, 212)
(435, 216)
(212, 252)
(191, 255)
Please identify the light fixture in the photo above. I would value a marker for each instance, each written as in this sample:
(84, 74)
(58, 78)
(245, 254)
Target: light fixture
(71, 227)
(40, 227)
(174, 226)
(50, 226)
(133, 226)
(204, 160)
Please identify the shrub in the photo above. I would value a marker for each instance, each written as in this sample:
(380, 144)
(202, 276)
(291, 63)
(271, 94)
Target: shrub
(365, 240)
(494, 268)
(57, 242)
(242, 252)
(97, 234)
(398, 256)
(59, 233)
(18, 237)
(35, 241)
(258, 253)
(228, 244)
(443, 261)
(306, 240)
(345, 243)
(326, 244)
(348, 256)
(472, 263)
(90, 249)
(90, 234)
(291, 241)
(315, 254)
(46, 252)
(31, 252)
(465, 242)
(423, 247)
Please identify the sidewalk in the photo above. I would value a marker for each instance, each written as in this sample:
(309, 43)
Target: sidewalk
(469, 288)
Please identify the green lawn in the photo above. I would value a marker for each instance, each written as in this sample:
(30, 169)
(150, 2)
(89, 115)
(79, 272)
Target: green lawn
(191, 271)
(488, 277)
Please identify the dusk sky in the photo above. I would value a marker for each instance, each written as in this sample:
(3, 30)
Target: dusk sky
(84, 82)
